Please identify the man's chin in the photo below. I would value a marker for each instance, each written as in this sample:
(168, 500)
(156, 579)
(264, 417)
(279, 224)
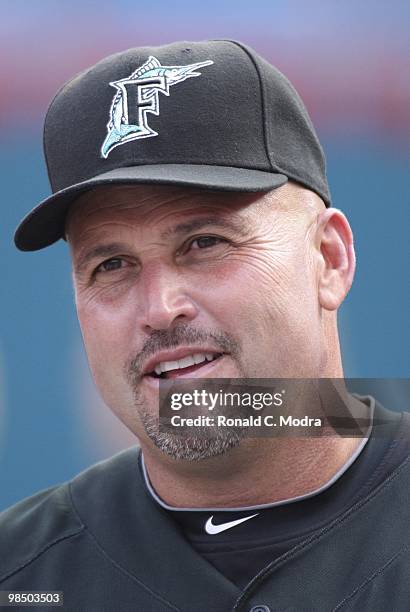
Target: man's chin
(197, 446)
(195, 449)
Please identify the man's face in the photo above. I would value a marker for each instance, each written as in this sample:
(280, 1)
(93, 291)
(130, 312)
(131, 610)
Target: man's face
(164, 273)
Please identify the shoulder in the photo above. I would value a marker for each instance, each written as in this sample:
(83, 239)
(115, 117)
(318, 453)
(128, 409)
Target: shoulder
(34, 525)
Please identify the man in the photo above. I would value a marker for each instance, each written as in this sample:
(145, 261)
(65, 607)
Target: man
(204, 247)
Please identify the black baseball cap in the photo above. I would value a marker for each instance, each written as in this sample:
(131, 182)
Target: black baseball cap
(213, 115)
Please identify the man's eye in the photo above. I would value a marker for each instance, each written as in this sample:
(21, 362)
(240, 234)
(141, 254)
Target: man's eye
(204, 242)
(110, 265)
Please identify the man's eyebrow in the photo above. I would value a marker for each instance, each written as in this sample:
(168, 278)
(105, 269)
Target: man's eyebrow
(196, 224)
(114, 248)
(99, 251)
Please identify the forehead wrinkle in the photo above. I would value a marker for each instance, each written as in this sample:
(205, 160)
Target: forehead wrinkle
(127, 199)
(138, 197)
(89, 205)
(96, 231)
(113, 213)
(199, 222)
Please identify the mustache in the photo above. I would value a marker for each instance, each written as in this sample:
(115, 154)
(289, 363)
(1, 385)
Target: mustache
(169, 339)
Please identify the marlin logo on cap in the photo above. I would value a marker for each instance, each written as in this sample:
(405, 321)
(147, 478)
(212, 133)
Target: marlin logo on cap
(137, 95)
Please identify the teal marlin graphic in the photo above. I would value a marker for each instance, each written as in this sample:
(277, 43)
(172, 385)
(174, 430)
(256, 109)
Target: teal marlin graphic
(137, 95)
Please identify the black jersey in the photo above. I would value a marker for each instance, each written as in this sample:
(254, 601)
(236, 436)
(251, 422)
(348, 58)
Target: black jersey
(104, 542)
(255, 537)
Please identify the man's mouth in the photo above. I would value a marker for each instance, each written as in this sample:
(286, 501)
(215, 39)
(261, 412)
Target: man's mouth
(186, 365)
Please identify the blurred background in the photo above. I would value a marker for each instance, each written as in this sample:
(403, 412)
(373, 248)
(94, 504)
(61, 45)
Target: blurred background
(348, 60)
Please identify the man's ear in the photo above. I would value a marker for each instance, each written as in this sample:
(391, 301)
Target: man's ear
(334, 243)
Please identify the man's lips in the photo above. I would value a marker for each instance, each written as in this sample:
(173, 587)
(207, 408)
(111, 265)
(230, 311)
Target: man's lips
(204, 370)
(182, 372)
(176, 355)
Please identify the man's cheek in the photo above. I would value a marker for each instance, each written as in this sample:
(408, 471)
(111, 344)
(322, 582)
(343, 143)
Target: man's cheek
(269, 269)
(101, 343)
(103, 324)
(105, 297)
(111, 381)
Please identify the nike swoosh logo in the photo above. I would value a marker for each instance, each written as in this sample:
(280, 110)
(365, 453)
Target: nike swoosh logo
(214, 529)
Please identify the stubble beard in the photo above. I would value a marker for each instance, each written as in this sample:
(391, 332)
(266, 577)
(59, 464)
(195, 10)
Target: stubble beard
(203, 442)
(200, 444)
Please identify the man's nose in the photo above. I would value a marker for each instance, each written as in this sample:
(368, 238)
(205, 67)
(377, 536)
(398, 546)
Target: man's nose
(166, 298)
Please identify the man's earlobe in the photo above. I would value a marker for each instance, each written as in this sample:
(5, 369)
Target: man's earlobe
(337, 256)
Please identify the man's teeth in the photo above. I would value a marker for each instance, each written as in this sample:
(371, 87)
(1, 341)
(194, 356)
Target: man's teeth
(165, 366)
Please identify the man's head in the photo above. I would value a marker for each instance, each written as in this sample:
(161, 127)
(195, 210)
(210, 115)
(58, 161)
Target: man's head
(191, 186)
(165, 273)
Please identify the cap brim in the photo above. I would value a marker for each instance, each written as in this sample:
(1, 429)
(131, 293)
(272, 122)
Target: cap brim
(44, 225)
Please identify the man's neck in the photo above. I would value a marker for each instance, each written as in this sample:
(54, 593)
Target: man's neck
(257, 472)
